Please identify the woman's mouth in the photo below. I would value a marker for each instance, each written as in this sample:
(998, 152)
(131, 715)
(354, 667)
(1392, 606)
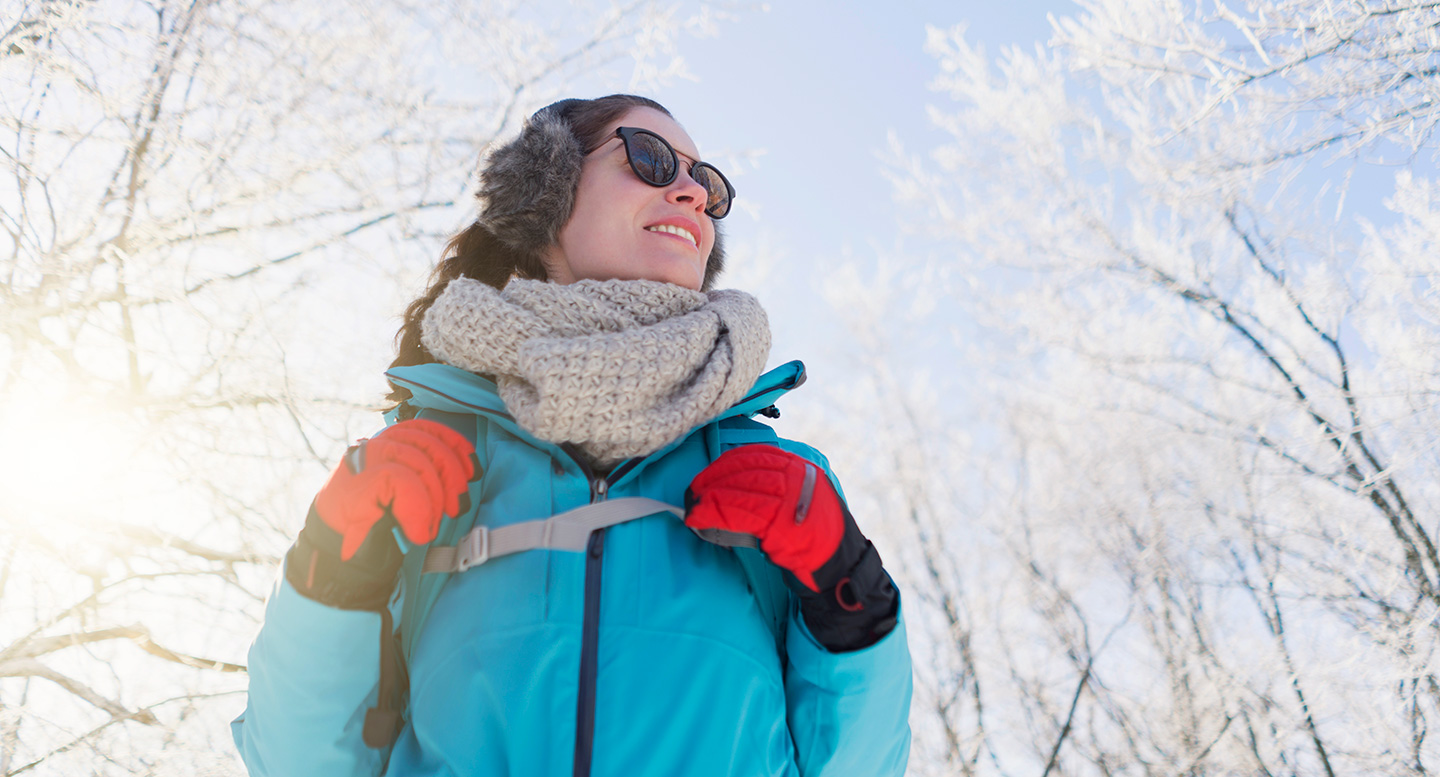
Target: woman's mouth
(671, 229)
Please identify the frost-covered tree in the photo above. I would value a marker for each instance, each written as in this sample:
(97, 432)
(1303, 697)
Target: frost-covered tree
(1193, 526)
(211, 212)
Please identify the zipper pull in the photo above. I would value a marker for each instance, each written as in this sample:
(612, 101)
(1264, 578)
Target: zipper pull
(598, 489)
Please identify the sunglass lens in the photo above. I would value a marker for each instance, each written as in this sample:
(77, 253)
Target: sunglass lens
(717, 201)
(652, 160)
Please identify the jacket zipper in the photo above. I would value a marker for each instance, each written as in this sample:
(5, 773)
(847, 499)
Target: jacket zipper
(590, 640)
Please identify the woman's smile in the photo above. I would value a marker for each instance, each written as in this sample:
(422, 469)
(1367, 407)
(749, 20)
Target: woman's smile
(677, 227)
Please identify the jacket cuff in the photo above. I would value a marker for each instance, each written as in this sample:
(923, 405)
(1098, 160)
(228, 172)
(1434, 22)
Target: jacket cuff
(852, 669)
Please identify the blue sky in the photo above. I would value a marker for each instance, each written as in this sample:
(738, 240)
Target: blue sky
(817, 86)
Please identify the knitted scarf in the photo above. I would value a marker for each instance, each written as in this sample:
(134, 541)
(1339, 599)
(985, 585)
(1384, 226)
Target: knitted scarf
(619, 368)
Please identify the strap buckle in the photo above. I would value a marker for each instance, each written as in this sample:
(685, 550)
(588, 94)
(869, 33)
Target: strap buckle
(474, 549)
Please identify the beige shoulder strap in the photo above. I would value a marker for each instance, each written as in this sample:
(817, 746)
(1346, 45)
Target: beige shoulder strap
(569, 530)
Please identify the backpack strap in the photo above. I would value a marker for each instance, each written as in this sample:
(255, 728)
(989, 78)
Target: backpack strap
(771, 596)
(569, 530)
(421, 590)
(386, 719)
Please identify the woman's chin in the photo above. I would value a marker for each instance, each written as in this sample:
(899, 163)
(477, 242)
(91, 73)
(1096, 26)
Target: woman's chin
(670, 270)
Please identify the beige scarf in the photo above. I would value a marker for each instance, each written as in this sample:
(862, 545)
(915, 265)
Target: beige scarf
(620, 368)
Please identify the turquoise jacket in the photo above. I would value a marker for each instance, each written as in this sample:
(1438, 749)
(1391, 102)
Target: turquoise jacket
(687, 675)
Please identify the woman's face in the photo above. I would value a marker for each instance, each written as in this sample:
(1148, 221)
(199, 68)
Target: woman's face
(617, 230)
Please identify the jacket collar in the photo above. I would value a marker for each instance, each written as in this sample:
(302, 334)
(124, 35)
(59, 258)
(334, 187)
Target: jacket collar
(451, 389)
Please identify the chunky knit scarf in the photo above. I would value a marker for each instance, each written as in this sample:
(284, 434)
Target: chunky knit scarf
(619, 368)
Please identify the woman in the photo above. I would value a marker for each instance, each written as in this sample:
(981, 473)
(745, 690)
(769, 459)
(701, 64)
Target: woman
(565, 355)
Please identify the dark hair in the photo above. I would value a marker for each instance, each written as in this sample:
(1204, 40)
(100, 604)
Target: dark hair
(526, 195)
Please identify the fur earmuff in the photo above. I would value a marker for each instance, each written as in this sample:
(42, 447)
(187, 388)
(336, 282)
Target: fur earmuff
(716, 262)
(527, 189)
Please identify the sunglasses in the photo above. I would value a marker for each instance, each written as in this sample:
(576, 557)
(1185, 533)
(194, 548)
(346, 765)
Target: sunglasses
(656, 163)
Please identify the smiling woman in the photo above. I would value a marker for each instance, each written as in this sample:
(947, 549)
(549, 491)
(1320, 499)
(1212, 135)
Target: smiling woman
(567, 383)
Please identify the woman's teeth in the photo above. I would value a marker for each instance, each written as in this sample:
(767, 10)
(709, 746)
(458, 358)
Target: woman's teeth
(674, 230)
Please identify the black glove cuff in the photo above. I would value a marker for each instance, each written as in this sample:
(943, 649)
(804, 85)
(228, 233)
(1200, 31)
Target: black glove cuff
(857, 610)
(365, 582)
(857, 603)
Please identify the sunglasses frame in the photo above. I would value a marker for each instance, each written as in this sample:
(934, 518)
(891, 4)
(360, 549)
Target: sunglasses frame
(625, 133)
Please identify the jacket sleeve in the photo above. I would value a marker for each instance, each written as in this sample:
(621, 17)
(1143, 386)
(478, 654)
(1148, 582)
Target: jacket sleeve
(314, 671)
(848, 712)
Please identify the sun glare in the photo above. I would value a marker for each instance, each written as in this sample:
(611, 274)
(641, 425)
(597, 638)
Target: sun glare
(69, 468)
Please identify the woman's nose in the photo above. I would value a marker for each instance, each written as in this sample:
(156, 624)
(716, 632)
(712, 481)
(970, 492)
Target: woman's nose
(687, 191)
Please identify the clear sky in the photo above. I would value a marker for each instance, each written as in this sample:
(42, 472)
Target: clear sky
(817, 86)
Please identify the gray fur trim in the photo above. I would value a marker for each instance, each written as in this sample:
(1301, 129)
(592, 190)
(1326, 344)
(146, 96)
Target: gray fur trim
(716, 263)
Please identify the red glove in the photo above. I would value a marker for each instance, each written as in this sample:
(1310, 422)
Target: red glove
(785, 501)
(415, 471)
(846, 598)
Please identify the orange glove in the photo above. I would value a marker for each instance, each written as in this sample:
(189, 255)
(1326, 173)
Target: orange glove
(415, 472)
(409, 475)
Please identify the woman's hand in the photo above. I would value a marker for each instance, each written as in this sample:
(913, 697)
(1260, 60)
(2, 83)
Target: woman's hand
(787, 502)
(415, 472)
(777, 497)
(411, 474)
